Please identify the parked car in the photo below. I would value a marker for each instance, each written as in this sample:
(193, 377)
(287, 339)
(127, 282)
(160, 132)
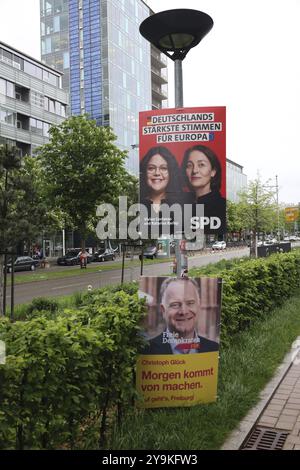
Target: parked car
(221, 245)
(105, 255)
(72, 258)
(23, 263)
(150, 252)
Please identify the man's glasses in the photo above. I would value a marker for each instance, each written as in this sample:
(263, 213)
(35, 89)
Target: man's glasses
(155, 169)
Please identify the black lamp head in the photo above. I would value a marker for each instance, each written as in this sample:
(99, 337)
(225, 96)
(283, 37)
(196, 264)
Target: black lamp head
(176, 31)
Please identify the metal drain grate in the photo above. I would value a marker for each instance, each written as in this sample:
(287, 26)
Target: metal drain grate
(265, 439)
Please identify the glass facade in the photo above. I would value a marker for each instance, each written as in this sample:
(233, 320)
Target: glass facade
(92, 77)
(236, 180)
(55, 36)
(109, 74)
(74, 57)
(126, 72)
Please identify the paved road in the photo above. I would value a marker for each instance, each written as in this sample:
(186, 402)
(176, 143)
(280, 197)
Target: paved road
(59, 287)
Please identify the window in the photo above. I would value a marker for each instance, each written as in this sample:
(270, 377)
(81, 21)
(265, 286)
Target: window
(52, 79)
(32, 69)
(56, 24)
(18, 63)
(46, 128)
(7, 56)
(10, 89)
(39, 127)
(2, 86)
(66, 58)
(51, 106)
(32, 124)
(7, 116)
(57, 108)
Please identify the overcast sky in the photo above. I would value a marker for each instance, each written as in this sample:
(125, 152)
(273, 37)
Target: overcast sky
(249, 62)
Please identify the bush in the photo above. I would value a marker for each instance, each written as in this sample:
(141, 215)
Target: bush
(42, 304)
(62, 375)
(71, 371)
(252, 288)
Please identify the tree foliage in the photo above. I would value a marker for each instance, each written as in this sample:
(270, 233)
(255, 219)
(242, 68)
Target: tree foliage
(258, 207)
(82, 168)
(256, 211)
(22, 211)
(235, 222)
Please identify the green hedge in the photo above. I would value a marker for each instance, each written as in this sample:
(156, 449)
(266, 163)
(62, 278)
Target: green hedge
(252, 288)
(69, 373)
(65, 377)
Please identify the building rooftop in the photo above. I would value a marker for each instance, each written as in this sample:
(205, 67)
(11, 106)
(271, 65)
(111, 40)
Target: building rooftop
(234, 163)
(28, 57)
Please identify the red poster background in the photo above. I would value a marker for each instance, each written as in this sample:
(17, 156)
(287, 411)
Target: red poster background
(218, 144)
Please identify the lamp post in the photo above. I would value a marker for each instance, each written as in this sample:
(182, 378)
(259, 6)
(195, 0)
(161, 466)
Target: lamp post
(175, 33)
(277, 204)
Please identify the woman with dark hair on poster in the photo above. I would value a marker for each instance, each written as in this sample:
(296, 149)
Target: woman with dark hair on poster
(160, 182)
(160, 179)
(202, 174)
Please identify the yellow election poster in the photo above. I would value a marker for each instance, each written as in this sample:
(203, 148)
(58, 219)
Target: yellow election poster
(179, 363)
(291, 214)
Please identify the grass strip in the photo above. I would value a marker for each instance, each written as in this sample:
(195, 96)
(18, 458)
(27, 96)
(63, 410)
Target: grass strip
(76, 271)
(245, 368)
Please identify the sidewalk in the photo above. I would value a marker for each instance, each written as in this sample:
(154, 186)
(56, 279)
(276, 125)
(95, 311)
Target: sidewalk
(276, 418)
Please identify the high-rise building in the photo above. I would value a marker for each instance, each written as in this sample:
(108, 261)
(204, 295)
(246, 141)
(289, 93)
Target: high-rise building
(31, 100)
(111, 71)
(236, 180)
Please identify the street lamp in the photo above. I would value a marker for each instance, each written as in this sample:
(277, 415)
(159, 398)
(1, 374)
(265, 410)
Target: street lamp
(277, 204)
(175, 33)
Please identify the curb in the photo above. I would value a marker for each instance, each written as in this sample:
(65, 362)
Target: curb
(238, 436)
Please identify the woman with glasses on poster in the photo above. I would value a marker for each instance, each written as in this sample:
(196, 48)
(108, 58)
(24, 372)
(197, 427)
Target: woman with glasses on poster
(202, 174)
(160, 181)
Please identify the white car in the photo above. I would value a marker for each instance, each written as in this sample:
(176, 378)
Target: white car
(219, 246)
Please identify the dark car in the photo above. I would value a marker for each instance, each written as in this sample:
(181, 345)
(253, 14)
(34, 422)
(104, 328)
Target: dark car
(104, 255)
(72, 258)
(150, 252)
(23, 263)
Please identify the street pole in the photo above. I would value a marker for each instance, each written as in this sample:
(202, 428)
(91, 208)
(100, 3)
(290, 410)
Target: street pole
(174, 33)
(277, 200)
(178, 85)
(12, 288)
(64, 242)
(123, 263)
(4, 282)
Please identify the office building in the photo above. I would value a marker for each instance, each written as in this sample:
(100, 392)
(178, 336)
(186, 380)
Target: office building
(236, 180)
(31, 100)
(111, 71)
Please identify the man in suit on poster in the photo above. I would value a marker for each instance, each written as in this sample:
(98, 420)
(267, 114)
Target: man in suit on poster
(180, 307)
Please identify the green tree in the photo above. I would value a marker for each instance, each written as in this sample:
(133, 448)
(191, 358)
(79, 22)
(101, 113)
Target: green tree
(258, 210)
(235, 222)
(82, 168)
(21, 209)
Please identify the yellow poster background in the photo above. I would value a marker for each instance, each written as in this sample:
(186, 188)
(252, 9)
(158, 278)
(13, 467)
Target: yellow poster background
(291, 214)
(177, 380)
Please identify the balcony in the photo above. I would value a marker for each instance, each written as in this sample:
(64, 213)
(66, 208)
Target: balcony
(159, 93)
(22, 94)
(158, 59)
(159, 75)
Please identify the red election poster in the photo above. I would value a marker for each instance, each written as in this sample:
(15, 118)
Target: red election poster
(183, 162)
